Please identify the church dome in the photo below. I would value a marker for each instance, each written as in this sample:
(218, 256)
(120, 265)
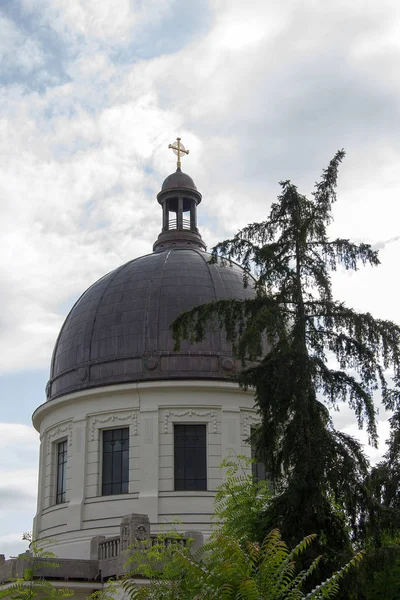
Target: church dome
(119, 329)
(178, 180)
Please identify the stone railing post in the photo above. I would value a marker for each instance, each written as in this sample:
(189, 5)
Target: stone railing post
(197, 539)
(134, 527)
(94, 546)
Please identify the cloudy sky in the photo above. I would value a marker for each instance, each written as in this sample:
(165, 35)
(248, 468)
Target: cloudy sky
(91, 94)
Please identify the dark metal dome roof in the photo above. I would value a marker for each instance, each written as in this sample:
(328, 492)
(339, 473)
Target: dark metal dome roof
(178, 180)
(118, 331)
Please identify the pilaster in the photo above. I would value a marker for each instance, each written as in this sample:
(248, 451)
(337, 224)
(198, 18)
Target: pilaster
(77, 460)
(148, 494)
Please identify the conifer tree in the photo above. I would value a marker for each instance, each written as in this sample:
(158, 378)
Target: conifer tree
(379, 576)
(385, 489)
(304, 352)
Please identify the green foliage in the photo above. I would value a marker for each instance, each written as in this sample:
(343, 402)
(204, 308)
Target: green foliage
(228, 570)
(299, 346)
(231, 565)
(167, 563)
(30, 585)
(108, 591)
(385, 487)
(253, 571)
(240, 501)
(379, 576)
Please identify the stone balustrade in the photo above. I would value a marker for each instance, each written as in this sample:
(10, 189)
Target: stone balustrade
(108, 556)
(110, 548)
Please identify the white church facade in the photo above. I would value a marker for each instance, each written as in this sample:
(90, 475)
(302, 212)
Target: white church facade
(151, 428)
(132, 432)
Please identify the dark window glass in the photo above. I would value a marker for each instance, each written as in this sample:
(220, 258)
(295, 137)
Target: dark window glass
(190, 457)
(61, 472)
(115, 478)
(258, 468)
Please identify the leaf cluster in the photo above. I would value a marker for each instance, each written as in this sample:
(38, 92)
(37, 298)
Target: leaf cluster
(232, 565)
(30, 585)
(240, 500)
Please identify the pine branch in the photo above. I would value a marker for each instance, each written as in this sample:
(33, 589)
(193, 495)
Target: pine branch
(339, 385)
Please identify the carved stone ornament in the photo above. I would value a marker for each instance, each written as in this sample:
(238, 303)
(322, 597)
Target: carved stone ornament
(249, 418)
(141, 532)
(114, 418)
(228, 364)
(191, 413)
(82, 373)
(151, 364)
(134, 527)
(57, 432)
(125, 533)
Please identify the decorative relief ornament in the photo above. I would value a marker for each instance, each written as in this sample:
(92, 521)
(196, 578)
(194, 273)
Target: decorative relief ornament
(56, 432)
(141, 532)
(250, 417)
(125, 533)
(83, 373)
(227, 364)
(151, 364)
(130, 417)
(191, 413)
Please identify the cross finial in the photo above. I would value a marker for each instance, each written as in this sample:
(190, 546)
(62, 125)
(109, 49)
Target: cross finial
(178, 149)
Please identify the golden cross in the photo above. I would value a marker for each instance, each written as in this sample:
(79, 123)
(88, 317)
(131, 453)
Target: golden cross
(178, 149)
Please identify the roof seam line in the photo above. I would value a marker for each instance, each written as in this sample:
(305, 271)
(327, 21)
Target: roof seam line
(215, 291)
(98, 306)
(159, 294)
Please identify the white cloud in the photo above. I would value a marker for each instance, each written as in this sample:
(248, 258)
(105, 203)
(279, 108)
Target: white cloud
(12, 544)
(17, 51)
(19, 452)
(19, 449)
(69, 193)
(110, 22)
(15, 432)
(373, 289)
